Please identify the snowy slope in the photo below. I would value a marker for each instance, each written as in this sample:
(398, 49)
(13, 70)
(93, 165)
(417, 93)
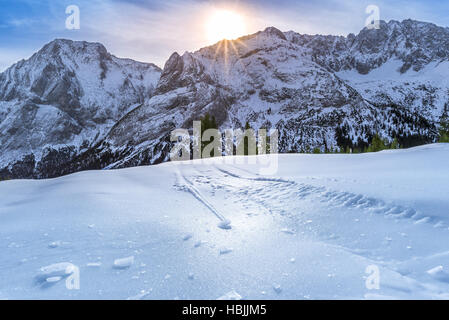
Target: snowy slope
(425, 91)
(308, 232)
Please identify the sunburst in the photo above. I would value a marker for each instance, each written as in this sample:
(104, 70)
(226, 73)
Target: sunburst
(224, 24)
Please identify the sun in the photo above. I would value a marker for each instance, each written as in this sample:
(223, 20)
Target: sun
(224, 24)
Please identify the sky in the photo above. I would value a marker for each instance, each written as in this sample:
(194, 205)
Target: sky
(151, 30)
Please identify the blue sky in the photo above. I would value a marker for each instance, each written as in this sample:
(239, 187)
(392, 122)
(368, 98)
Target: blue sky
(150, 30)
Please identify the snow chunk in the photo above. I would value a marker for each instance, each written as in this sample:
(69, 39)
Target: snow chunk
(287, 231)
(225, 224)
(198, 244)
(140, 296)
(123, 263)
(55, 272)
(277, 288)
(54, 244)
(231, 295)
(225, 250)
(53, 279)
(93, 264)
(187, 237)
(439, 274)
(57, 269)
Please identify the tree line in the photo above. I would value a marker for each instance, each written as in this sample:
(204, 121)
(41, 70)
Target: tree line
(376, 144)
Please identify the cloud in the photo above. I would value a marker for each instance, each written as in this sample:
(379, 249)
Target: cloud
(150, 30)
(146, 33)
(21, 22)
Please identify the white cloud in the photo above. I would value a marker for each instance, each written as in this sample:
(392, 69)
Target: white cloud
(154, 30)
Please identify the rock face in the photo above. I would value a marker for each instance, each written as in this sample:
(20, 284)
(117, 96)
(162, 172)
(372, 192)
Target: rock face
(415, 44)
(62, 101)
(326, 92)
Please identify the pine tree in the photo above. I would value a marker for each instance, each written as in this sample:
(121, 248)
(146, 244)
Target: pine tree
(444, 131)
(395, 144)
(377, 144)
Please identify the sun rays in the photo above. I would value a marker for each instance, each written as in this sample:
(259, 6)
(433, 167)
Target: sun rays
(227, 48)
(224, 28)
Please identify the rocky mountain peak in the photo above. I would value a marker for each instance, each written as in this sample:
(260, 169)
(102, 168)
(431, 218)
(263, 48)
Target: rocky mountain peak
(272, 31)
(66, 46)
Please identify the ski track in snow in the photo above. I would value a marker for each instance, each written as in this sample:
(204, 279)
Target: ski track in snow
(277, 196)
(277, 188)
(184, 184)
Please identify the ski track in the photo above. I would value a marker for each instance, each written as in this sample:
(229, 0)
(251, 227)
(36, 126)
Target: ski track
(284, 197)
(184, 184)
(281, 189)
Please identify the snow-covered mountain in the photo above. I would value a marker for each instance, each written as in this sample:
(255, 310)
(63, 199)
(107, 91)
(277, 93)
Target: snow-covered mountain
(403, 64)
(326, 92)
(312, 88)
(62, 101)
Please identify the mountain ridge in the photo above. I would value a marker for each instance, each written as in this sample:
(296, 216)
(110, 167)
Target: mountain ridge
(318, 91)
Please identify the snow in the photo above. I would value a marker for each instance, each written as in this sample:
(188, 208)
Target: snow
(53, 273)
(409, 89)
(312, 231)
